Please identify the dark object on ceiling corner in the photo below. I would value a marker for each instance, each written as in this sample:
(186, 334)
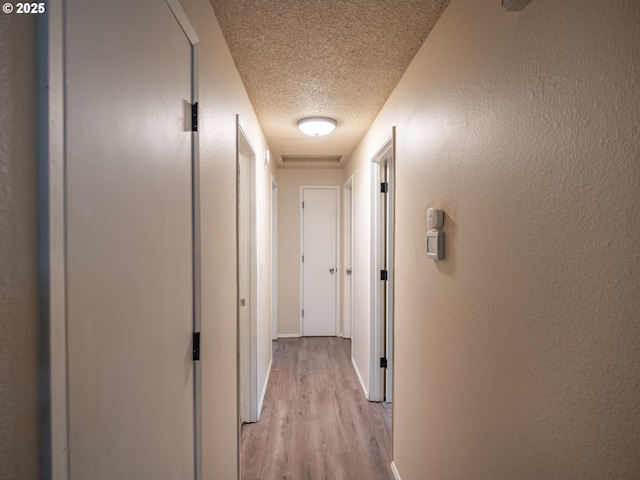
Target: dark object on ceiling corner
(514, 5)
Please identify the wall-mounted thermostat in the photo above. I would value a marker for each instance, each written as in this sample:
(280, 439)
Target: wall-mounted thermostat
(435, 245)
(435, 218)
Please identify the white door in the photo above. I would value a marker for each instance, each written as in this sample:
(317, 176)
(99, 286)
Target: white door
(319, 261)
(244, 286)
(247, 281)
(382, 264)
(274, 259)
(129, 250)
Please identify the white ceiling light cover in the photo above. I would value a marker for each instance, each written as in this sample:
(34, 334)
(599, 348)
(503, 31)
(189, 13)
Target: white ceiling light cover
(317, 126)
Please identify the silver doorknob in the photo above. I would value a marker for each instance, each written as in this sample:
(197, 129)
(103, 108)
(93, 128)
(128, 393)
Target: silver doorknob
(332, 271)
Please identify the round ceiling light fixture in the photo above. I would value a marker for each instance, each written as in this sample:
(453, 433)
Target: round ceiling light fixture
(317, 126)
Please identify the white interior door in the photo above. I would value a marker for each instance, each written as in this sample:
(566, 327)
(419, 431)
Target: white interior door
(247, 281)
(129, 254)
(382, 265)
(244, 288)
(320, 261)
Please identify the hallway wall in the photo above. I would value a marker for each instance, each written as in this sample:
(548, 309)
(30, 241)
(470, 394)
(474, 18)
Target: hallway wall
(19, 306)
(289, 182)
(517, 355)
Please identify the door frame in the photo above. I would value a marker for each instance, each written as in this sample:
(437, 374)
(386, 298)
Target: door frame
(54, 449)
(247, 340)
(381, 332)
(338, 259)
(274, 259)
(347, 258)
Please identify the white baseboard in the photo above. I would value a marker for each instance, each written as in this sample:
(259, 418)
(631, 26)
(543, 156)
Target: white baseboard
(394, 470)
(289, 335)
(264, 389)
(364, 388)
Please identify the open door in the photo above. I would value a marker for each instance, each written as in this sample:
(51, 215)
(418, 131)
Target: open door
(382, 281)
(347, 255)
(247, 280)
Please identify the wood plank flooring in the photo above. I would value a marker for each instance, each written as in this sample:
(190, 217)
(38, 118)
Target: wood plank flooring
(316, 423)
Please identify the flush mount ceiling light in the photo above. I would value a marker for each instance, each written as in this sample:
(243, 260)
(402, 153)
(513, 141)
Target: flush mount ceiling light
(317, 126)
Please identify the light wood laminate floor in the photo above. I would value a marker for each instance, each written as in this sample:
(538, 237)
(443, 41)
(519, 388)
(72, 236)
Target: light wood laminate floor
(316, 423)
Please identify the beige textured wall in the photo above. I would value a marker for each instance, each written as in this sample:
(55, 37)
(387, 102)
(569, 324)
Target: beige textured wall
(289, 182)
(222, 96)
(18, 246)
(518, 355)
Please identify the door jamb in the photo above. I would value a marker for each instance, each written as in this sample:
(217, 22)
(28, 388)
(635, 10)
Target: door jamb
(54, 449)
(377, 345)
(190, 33)
(347, 189)
(274, 259)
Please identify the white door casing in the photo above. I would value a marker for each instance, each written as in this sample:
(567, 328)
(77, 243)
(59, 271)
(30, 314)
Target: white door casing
(382, 258)
(130, 245)
(319, 260)
(274, 259)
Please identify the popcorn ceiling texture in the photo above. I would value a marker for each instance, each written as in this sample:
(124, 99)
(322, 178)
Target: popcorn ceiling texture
(333, 58)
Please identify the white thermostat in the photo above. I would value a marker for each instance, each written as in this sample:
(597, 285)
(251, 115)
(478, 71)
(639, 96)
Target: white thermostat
(435, 245)
(435, 218)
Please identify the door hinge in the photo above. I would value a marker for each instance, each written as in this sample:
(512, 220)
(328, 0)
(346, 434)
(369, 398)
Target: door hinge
(384, 187)
(302, 258)
(383, 362)
(384, 275)
(303, 312)
(194, 117)
(303, 205)
(196, 346)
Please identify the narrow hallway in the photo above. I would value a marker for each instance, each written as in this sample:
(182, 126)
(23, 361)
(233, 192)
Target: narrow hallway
(316, 423)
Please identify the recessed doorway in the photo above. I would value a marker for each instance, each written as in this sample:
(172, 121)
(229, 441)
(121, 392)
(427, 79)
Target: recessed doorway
(382, 264)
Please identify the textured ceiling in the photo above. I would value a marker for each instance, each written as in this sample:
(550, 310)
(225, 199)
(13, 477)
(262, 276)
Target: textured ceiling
(335, 58)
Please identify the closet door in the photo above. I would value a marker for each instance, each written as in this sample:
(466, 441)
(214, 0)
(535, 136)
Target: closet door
(129, 257)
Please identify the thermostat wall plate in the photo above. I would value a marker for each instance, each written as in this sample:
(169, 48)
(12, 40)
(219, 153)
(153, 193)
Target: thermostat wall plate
(435, 245)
